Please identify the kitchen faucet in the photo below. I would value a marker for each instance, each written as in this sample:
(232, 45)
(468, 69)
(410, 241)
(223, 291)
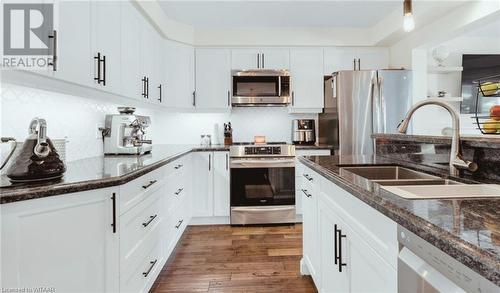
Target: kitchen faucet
(456, 158)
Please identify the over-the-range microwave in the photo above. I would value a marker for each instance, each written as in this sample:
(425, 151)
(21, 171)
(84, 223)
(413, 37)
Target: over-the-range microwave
(261, 88)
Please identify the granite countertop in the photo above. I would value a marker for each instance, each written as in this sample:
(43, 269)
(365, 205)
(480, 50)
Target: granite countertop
(468, 230)
(314, 147)
(487, 141)
(99, 172)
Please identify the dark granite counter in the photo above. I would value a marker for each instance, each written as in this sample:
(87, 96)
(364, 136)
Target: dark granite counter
(468, 230)
(99, 172)
(314, 147)
(483, 141)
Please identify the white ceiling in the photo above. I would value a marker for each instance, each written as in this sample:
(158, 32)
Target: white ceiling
(234, 14)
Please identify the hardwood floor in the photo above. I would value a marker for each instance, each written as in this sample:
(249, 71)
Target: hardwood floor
(236, 259)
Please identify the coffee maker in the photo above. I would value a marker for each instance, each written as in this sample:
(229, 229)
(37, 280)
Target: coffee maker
(124, 133)
(303, 131)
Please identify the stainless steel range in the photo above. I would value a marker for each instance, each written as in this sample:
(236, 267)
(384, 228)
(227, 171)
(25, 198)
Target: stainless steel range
(262, 183)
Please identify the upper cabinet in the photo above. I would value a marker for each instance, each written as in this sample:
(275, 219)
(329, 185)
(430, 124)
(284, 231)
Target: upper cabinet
(306, 69)
(213, 78)
(106, 44)
(272, 58)
(131, 78)
(179, 68)
(74, 56)
(350, 58)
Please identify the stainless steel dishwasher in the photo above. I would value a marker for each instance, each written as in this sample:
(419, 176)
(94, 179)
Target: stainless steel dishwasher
(422, 267)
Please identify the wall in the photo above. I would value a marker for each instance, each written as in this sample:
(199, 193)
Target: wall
(77, 119)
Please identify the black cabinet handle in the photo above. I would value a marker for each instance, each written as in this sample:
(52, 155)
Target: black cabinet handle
(209, 162)
(359, 64)
(227, 161)
(305, 192)
(354, 63)
(104, 70)
(151, 218)
(293, 98)
(228, 98)
(309, 178)
(159, 99)
(146, 273)
(338, 257)
(54, 50)
(113, 199)
(178, 191)
(179, 224)
(178, 166)
(149, 184)
(258, 60)
(147, 88)
(194, 98)
(335, 244)
(98, 60)
(263, 62)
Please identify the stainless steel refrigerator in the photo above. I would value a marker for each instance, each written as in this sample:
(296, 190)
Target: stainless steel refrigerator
(360, 103)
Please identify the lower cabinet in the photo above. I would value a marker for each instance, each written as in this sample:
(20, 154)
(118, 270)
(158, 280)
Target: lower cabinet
(64, 242)
(348, 246)
(211, 184)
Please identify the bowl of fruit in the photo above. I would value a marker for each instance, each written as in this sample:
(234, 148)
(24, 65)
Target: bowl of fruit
(492, 124)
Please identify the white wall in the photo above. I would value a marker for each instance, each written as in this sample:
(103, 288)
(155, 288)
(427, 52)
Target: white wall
(77, 119)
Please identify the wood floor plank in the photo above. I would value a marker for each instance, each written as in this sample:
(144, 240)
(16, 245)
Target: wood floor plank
(222, 258)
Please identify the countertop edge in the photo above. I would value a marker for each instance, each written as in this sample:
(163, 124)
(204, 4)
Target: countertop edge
(488, 141)
(467, 255)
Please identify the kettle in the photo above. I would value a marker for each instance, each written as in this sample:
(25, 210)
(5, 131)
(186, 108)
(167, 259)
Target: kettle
(38, 159)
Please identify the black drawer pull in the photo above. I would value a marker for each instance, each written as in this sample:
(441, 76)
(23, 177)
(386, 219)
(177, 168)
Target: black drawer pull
(308, 177)
(179, 191)
(149, 184)
(151, 218)
(113, 199)
(179, 224)
(305, 192)
(146, 273)
(178, 166)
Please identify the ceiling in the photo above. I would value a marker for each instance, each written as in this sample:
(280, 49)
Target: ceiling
(234, 14)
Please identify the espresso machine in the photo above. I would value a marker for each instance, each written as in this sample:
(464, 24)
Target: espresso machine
(303, 131)
(124, 133)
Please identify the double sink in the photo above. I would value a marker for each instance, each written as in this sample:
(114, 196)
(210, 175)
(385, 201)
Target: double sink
(410, 184)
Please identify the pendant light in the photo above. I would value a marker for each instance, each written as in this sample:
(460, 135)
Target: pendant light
(408, 19)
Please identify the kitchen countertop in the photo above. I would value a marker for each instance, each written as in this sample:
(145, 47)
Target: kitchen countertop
(468, 230)
(487, 141)
(314, 147)
(99, 172)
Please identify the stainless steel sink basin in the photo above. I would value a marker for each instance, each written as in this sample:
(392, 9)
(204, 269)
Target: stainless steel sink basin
(446, 191)
(383, 173)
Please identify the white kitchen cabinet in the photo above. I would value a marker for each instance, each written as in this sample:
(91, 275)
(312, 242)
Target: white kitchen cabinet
(131, 75)
(256, 58)
(213, 78)
(311, 252)
(203, 193)
(74, 52)
(346, 58)
(306, 69)
(275, 58)
(106, 37)
(221, 184)
(179, 67)
(66, 242)
(158, 75)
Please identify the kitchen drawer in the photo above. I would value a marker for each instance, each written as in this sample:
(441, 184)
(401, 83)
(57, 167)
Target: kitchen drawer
(176, 192)
(176, 223)
(142, 277)
(177, 167)
(138, 189)
(140, 229)
(378, 231)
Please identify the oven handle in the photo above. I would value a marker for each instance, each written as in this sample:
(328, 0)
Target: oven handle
(263, 209)
(263, 164)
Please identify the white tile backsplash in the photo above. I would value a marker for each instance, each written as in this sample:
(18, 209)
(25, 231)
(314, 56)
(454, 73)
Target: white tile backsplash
(77, 119)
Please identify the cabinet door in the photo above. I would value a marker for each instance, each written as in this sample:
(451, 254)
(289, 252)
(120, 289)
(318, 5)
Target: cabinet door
(221, 184)
(310, 233)
(373, 58)
(337, 59)
(76, 248)
(245, 59)
(367, 271)
(156, 91)
(213, 78)
(275, 59)
(131, 51)
(106, 18)
(179, 67)
(203, 196)
(74, 53)
(306, 67)
(332, 279)
(148, 60)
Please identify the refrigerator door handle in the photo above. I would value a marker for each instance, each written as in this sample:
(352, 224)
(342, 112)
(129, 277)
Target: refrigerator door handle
(334, 84)
(382, 105)
(375, 105)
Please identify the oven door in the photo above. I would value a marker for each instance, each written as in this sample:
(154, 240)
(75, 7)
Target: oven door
(262, 182)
